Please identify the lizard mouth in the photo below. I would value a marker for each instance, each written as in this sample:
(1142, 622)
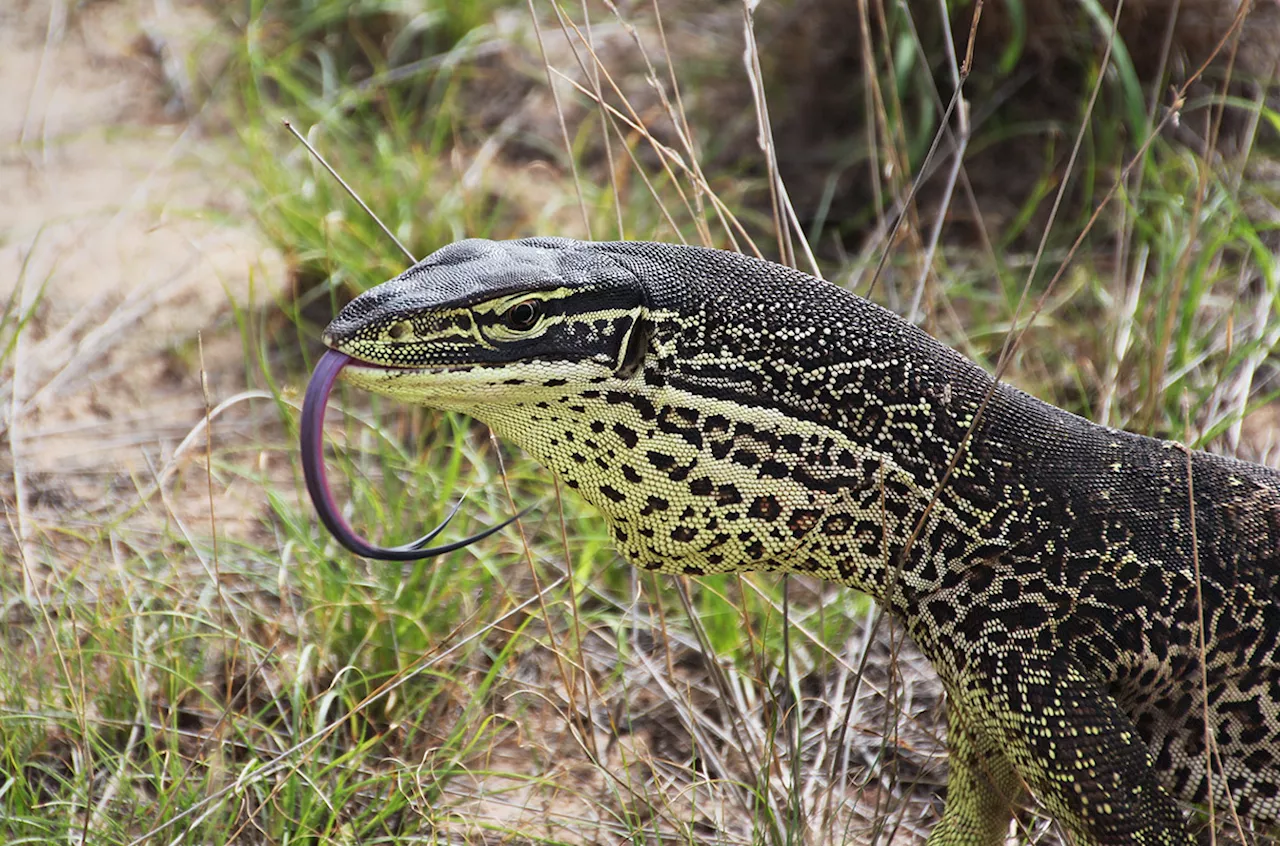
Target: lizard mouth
(311, 437)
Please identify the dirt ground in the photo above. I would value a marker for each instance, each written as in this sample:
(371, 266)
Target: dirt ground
(124, 221)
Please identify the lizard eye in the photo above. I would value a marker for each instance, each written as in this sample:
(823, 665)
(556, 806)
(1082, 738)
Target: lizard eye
(523, 316)
(398, 331)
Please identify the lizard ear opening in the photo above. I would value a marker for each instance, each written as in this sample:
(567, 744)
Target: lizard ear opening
(634, 348)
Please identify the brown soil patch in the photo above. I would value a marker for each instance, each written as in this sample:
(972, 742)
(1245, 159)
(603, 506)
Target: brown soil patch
(124, 223)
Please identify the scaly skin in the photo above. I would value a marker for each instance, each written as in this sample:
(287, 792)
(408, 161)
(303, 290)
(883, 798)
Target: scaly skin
(726, 413)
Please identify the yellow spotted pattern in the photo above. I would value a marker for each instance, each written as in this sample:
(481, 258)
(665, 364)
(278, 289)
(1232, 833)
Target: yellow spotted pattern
(726, 414)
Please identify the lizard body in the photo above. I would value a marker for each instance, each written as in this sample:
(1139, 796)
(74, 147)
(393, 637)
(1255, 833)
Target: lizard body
(726, 413)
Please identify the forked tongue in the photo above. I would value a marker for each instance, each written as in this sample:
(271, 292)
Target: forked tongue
(312, 442)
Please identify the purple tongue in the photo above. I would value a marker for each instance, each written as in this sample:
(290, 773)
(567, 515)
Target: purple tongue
(312, 442)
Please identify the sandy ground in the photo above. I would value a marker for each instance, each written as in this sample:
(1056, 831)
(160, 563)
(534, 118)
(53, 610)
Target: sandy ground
(125, 231)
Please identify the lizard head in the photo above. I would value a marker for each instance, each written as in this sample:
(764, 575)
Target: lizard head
(479, 325)
(498, 331)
